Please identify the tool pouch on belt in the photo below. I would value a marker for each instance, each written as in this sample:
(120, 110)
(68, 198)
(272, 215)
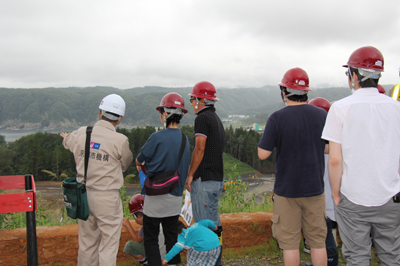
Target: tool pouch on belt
(165, 182)
(75, 196)
(75, 199)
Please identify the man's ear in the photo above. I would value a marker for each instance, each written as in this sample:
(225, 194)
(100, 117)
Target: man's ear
(355, 77)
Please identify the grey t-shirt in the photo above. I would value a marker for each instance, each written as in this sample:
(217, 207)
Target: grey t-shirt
(162, 205)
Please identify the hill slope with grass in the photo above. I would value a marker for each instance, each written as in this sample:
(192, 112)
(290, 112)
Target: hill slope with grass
(233, 166)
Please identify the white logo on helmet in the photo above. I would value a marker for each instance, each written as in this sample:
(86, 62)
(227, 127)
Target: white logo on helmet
(379, 63)
(301, 82)
(178, 103)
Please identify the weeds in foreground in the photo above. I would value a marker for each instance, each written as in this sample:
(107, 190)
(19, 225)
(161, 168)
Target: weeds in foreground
(49, 214)
(234, 198)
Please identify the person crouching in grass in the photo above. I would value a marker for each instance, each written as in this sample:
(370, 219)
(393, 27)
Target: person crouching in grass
(201, 242)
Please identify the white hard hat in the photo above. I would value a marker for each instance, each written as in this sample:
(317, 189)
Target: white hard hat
(113, 103)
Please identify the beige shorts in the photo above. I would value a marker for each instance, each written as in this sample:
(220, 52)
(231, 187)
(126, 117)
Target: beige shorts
(293, 214)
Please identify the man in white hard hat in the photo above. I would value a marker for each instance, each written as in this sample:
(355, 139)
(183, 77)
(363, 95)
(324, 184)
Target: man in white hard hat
(109, 156)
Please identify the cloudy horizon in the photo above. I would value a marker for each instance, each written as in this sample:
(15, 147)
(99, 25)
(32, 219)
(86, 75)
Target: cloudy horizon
(176, 43)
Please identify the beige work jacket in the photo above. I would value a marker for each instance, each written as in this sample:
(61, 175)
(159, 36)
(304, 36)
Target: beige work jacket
(109, 156)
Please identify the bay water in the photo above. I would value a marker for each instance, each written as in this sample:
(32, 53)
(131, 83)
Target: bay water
(14, 134)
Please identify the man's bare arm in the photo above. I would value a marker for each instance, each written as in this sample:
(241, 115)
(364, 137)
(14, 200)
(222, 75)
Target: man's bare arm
(197, 157)
(263, 154)
(335, 164)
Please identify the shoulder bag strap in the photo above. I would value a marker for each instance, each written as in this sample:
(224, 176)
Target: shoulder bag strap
(87, 148)
(183, 145)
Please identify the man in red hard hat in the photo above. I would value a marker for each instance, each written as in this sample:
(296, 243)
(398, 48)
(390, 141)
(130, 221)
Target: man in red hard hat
(299, 201)
(206, 172)
(363, 131)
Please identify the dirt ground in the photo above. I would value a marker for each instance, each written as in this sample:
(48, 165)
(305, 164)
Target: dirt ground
(58, 245)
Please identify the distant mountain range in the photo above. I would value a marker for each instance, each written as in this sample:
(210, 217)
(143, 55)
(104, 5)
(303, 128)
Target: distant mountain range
(72, 106)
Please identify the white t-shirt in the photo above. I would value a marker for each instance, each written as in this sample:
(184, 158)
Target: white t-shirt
(367, 125)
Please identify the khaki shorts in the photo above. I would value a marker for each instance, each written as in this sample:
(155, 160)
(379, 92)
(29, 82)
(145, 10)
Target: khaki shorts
(293, 214)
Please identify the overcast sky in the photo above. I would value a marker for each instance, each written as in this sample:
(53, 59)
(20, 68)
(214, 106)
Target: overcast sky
(176, 43)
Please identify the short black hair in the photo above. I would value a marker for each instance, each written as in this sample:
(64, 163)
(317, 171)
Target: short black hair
(295, 98)
(175, 118)
(180, 227)
(371, 82)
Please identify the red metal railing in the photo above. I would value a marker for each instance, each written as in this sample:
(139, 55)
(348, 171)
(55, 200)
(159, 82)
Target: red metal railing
(22, 202)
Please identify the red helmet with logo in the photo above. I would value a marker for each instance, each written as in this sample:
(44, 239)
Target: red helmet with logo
(367, 57)
(381, 89)
(321, 102)
(172, 99)
(136, 203)
(204, 90)
(295, 78)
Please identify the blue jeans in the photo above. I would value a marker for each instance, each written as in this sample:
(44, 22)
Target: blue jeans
(205, 200)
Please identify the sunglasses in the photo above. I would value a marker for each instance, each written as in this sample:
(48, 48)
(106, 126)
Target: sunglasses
(138, 215)
(192, 99)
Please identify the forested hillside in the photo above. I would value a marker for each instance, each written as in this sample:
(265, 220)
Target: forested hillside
(72, 107)
(44, 151)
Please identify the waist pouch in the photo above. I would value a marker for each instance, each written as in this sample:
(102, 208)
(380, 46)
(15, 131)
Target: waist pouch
(161, 183)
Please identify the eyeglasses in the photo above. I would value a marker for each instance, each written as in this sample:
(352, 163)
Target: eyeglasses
(138, 215)
(192, 99)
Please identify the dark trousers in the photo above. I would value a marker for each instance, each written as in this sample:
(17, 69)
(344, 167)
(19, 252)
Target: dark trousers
(330, 244)
(151, 229)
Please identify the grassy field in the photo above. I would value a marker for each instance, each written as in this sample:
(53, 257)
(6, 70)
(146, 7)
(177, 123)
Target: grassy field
(234, 166)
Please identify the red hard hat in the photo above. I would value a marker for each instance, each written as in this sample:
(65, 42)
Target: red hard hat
(136, 203)
(321, 102)
(366, 57)
(381, 89)
(204, 90)
(295, 78)
(172, 99)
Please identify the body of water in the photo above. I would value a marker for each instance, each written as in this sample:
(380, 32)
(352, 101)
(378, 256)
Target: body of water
(14, 134)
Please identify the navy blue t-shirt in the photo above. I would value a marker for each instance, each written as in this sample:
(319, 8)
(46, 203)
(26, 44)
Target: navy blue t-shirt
(296, 132)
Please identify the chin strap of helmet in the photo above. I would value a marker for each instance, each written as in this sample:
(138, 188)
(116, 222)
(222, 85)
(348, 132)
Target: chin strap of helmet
(352, 80)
